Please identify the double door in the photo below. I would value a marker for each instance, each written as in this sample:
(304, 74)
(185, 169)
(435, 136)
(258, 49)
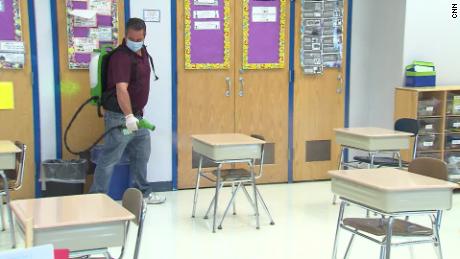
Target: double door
(232, 100)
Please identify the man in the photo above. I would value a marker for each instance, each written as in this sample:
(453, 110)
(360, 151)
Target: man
(128, 83)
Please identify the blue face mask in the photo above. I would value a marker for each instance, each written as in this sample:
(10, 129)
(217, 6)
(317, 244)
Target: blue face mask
(134, 45)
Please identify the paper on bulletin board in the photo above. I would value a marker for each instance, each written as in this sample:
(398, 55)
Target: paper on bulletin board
(2, 5)
(101, 34)
(207, 26)
(12, 46)
(264, 14)
(84, 18)
(12, 58)
(86, 45)
(102, 7)
(205, 2)
(6, 96)
(206, 14)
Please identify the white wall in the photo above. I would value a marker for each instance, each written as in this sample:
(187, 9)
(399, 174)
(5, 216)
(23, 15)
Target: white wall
(376, 60)
(431, 34)
(158, 109)
(46, 79)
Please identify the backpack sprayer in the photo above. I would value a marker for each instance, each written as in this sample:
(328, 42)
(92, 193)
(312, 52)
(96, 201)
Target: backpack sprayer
(98, 68)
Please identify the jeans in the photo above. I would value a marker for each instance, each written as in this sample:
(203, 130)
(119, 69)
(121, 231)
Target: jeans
(137, 144)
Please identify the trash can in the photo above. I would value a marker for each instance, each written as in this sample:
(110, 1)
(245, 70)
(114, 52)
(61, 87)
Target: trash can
(121, 177)
(63, 177)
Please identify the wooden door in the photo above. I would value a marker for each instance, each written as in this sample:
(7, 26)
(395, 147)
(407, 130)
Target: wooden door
(17, 124)
(263, 107)
(318, 109)
(202, 104)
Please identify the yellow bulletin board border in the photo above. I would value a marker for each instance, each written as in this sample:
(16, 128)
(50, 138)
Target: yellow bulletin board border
(282, 39)
(188, 27)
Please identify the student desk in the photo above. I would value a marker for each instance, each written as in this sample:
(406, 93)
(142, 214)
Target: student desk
(392, 193)
(226, 149)
(84, 224)
(371, 140)
(8, 152)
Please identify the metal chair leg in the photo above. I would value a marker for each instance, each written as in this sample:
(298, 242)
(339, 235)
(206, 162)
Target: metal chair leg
(389, 237)
(216, 200)
(437, 243)
(2, 214)
(334, 199)
(350, 243)
(8, 209)
(255, 195)
(197, 187)
(337, 231)
(233, 204)
(211, 205)
(382, 252)
(232, 199)
(265, 207)
(246, 193)
(398, 154)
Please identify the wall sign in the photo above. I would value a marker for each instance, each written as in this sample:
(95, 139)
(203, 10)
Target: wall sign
(152, 15)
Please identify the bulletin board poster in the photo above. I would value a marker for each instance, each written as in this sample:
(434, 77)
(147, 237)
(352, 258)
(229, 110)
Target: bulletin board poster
(264, 36)
(11, 42)
(207, 34)
(90, 24)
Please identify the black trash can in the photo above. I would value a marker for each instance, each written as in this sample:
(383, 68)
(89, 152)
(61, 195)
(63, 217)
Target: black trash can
(63, 177)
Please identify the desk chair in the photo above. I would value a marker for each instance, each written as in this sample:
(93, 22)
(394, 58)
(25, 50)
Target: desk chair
(133, 201)
(12, 181)
(405, 125)
(239, 178)
(379, 227)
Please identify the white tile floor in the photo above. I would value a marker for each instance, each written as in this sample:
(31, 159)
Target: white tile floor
(305, 228)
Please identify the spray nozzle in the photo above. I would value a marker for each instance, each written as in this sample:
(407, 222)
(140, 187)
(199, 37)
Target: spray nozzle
(146, 125)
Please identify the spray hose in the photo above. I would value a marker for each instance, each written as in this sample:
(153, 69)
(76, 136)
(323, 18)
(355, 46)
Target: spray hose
(141, 124)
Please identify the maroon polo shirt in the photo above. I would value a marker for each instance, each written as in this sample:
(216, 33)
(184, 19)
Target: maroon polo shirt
(120, 71)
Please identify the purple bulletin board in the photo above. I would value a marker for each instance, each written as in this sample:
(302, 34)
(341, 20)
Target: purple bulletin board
(90, 24)
(264, 34)
(207, 28)
(11, 43)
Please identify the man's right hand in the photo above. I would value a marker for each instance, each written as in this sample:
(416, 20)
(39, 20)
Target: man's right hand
(131, 122)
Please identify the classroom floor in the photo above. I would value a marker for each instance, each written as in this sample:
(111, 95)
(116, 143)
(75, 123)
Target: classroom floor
(305, 228)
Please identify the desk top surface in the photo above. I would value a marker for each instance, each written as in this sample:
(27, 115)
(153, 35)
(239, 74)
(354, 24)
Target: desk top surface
(391, 179)
(70, 211)
(227, 139)
(7, 146)
(373, 132)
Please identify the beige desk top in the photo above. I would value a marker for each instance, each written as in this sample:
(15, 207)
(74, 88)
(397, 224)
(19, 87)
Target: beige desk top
(373, 132)
(391, 179)
(227, 139)
(70, 211)
(7, 146)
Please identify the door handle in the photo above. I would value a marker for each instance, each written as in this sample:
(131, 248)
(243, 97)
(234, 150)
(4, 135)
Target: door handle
(229, 86)
(241, 86)
(340, 84)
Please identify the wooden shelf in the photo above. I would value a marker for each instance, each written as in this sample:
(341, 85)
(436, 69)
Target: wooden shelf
(430, 117)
